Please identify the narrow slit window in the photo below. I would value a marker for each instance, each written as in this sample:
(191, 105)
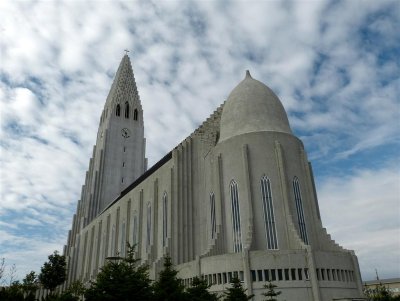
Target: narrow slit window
(293, 274)
(148, 227)
(260, 275)
(300, 274)
(269, 218)
(266, 275)
(123, 242)
(280, 275)
(165, 218)
(237, 234)
(273, 275)
(126, 110)
(118, 110)
(135, 114)
(299, 210)
(253, 276)
(113, 253)
(135, 229)
(212, 215)
(286, 271)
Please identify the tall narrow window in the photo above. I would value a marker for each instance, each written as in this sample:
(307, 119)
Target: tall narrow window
(123, 240)
(118, 110)
(299, 210)
(237, 234)
(135, 229)
(212, 215)
(269, 218)
(113, 241)
(165, 218)
(126, 110)
(148, 228)
(135, 114)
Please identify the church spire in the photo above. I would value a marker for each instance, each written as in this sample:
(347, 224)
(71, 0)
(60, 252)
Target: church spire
(119, 154)
(124, 84)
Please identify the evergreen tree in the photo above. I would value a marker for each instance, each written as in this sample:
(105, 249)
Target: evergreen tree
(29, 286)
(271, 294)
(121, 281)
(169, 287)
(12, 292)
(236, 292)
(199, 291)
(53, 272)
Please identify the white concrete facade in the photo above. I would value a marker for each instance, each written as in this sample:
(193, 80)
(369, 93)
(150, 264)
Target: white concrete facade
(237, 197)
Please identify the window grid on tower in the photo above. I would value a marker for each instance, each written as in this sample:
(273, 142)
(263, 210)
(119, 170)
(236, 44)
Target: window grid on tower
(299, 210)
(148, 228)
(237, 235)
(212, 215)
(126, 110)
(269, 218)
(165, 218)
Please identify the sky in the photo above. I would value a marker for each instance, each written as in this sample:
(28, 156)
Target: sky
(334, 65)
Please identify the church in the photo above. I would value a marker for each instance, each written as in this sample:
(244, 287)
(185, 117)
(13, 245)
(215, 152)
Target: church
(236, 198)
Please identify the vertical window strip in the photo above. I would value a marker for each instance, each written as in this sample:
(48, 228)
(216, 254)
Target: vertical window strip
(148, 232)
(134, 230)
(123, 239)
(237, 235)
(269, 218)
(299, 209)
(126, 110)
(272, 216)
(212, 213)
(165, 218)
(113, 241)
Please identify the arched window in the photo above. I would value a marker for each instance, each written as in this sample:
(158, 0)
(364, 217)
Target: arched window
(148, 228)
(135, 229)
(165, 218)
(299, 210)
(237, 233)
(212, 215)
(118, 110)
(269, 218)
(126, 110)
(135, 114)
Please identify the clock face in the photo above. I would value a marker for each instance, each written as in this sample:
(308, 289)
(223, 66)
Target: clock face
(125, 133)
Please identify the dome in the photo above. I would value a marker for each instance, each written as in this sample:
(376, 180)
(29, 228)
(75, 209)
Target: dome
(252, 107)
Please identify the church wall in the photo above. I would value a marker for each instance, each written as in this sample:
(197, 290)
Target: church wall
(95, 243)
(257, 150)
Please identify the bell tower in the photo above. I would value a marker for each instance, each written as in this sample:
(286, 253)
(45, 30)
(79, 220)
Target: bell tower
(119, 154)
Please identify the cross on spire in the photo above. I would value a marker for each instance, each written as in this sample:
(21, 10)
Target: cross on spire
(126, 51)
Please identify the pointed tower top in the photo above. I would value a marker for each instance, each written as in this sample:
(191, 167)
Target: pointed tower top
(124, 82)
(248, 75)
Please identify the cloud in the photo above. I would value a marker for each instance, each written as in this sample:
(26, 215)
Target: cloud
(333, 64)
(362, 212)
